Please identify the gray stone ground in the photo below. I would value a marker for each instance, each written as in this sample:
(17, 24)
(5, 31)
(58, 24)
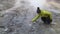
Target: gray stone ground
(17, 20)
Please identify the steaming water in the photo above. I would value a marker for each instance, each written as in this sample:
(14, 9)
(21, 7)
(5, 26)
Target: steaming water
(38, 3)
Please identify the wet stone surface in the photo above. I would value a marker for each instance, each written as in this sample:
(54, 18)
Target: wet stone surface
(18, 21)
